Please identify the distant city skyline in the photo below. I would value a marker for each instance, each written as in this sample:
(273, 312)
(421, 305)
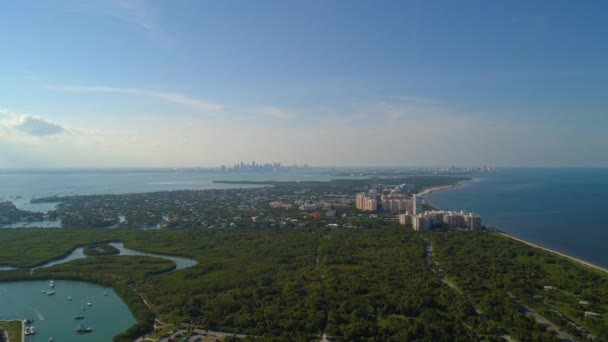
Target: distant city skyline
(136, 83)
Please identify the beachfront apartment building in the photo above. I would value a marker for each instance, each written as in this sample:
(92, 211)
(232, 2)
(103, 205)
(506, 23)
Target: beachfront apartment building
(396, 204)
(366, 202)
(416, 204)
(452, 219)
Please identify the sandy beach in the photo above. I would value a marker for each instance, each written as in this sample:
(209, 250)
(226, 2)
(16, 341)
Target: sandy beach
(437, 188)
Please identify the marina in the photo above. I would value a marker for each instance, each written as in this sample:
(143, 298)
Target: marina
(53, 318)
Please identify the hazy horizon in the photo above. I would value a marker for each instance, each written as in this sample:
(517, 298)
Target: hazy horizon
(309, 167)
(149, 84)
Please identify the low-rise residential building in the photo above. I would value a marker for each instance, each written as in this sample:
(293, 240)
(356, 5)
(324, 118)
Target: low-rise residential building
(280, 205)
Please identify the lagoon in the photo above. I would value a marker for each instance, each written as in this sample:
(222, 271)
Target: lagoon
(54, 315)
(78, 253)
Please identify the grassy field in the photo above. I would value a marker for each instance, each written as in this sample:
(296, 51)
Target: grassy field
(13, 329)
(100, 249)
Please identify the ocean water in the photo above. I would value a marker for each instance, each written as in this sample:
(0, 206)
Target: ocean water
(562, 209)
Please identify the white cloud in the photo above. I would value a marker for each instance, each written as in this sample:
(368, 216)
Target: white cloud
(33, 129)
(37, 126)
(275, 112)
(199, 105)
(30, 125)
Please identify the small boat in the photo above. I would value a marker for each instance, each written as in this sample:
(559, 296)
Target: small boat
(52, 283)
(51, 339)
(79, 317)
(29, 331)
(105, 293)
(90, 304)
(81, 329)
(69, 297)
(50, 293)
(28, 321)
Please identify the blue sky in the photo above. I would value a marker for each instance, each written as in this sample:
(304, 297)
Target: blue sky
(204, 83)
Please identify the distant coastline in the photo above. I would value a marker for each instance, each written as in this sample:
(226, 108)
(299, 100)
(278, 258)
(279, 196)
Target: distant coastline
(531, 244)
(443, 187)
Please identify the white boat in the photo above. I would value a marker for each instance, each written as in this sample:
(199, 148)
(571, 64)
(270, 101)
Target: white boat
(90, 304)
(69, 297)
(52, 283)
(50, 293)
(29, 331)
(82, 329)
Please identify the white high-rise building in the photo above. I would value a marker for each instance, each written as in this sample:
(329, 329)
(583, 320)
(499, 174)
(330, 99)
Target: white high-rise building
(416, 205)
(420, 222)
(405, 219)
(366, 202)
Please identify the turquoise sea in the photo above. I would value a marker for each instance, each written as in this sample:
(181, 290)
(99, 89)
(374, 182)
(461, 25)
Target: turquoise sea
(561, 209)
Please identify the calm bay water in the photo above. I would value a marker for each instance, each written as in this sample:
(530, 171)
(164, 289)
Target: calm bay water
(54, 315)
(19, 188)
(562, 209)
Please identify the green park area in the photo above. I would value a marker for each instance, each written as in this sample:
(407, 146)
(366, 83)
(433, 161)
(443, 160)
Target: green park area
(298, 284)
(12, 330)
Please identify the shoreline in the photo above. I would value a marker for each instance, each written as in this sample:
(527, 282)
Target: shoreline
(564, 255)
(442, 187)
(531, 244)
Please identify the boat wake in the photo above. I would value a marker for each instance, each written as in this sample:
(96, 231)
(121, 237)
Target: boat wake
(39, 315)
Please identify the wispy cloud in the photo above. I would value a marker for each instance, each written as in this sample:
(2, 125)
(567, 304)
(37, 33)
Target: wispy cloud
(274, 112)
(138, 13)
(199, 105)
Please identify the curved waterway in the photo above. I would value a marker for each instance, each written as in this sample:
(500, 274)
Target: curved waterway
(54, 315)
(78, 253)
